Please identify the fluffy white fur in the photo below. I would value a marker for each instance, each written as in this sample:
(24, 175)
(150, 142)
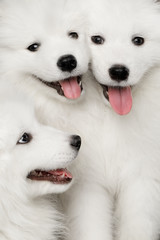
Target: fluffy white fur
(47, 25)
(118, 172)
(127, 195)
(27, 208)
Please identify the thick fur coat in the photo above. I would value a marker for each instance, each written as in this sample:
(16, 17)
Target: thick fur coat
(118, 180)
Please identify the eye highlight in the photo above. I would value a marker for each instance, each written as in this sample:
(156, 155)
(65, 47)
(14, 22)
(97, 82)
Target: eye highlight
(138, 41)
(34, 47)
(73, 35)
(25, 138)
(98, 40)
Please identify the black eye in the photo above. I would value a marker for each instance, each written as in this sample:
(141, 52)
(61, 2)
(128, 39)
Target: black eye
(34, 47)
(97, 40)
(138, 41)
(26, 138)
(73, 35)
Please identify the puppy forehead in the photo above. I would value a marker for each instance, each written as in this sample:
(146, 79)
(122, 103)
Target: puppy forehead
(42, 16)
(122, 16)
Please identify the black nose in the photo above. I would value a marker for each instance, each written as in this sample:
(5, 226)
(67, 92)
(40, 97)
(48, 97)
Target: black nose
(67, 63)
(76, 142)
(119, 73)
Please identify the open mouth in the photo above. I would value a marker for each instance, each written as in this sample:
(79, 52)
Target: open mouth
(71, 87)
(58, 176)
(120, 98)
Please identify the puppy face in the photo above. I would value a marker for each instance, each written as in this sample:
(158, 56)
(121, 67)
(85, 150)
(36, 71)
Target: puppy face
(125, 44)
(33, 157)
(45, 42)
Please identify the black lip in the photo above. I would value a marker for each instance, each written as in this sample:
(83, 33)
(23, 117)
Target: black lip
(105, 91)
(56, 85)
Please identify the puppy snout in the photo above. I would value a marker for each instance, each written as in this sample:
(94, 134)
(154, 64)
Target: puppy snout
(119, 73)
(75, 142)
(67, 63)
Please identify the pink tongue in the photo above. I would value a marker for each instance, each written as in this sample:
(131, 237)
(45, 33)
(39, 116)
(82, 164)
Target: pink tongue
(71, 88)
(61, 172)
(120, 99)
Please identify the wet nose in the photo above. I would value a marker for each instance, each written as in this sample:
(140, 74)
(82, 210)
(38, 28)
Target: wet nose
(76, 142)
(119, 73)
(67, 63)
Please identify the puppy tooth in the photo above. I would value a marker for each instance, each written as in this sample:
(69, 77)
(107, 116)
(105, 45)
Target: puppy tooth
(34, 173)
(62, 176)
(40, 174)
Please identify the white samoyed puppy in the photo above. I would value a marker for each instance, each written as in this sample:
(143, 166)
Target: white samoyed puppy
(33, 162)
(124, 41)
(47, 55)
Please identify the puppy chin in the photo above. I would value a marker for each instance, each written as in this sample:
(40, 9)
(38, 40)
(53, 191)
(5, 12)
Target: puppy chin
(37, 189)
